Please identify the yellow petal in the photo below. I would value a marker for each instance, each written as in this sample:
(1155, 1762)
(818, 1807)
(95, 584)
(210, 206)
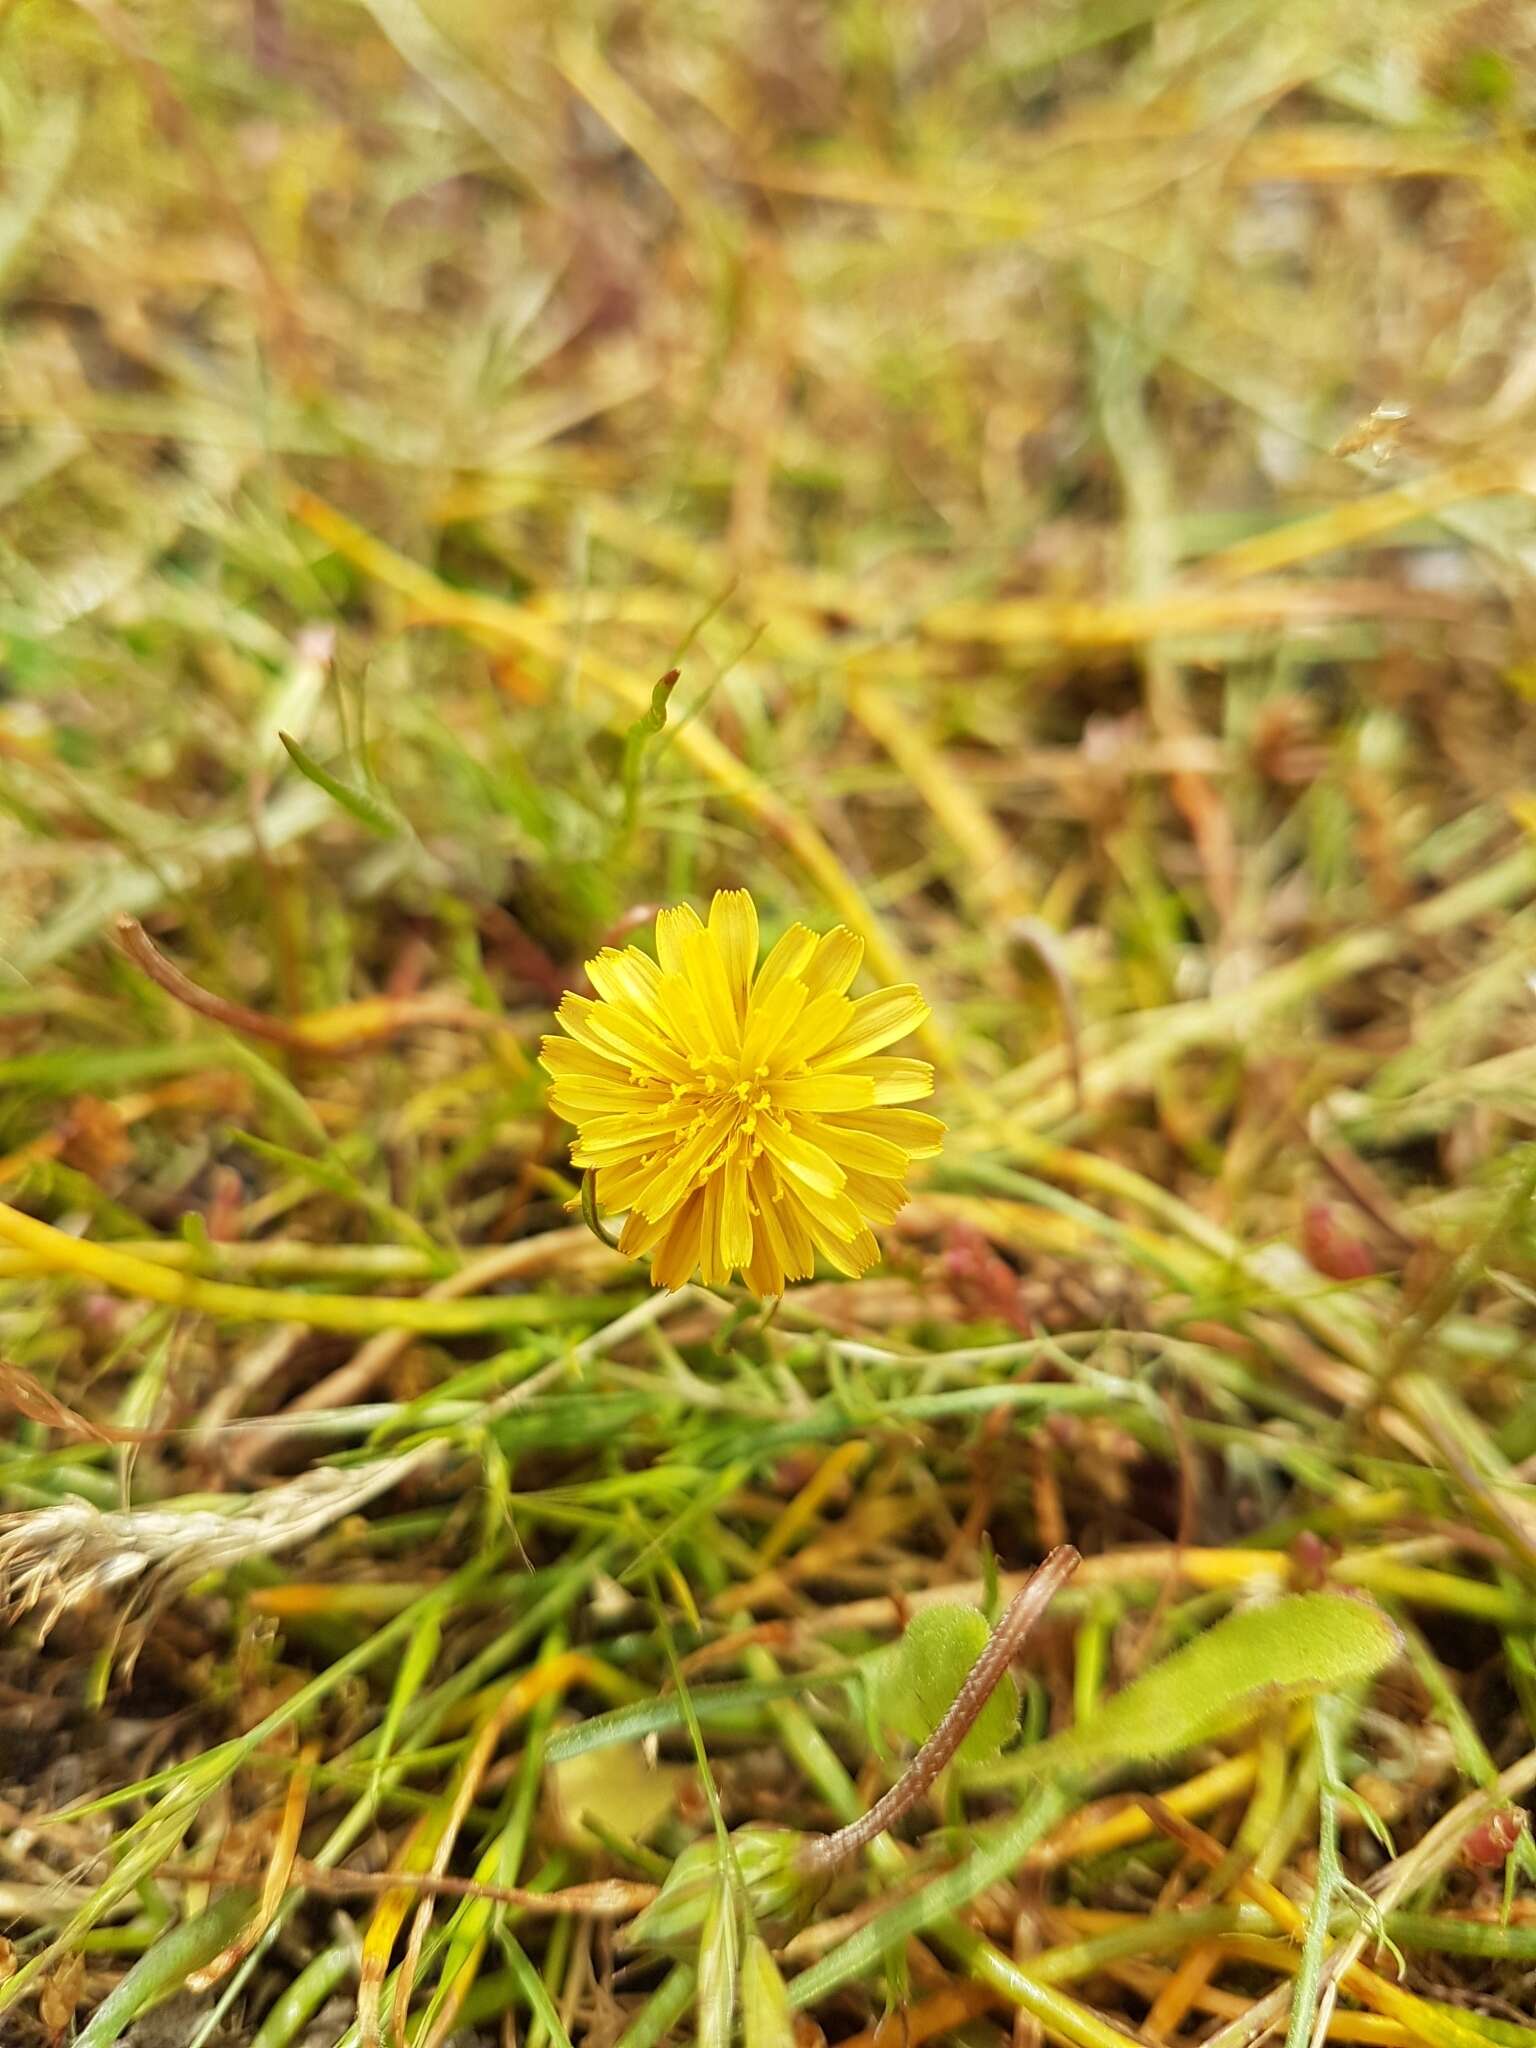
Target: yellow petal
(770, 1021)
(628, 976)
(834, 963)
(765, 1275)
(833, 1213)
(852, 1256)
(802, 1246)
(780, 1224)
(876, 1198)
(690, 1027)
(786, 959)
(823, 1092)
(704, 971)
(824, 1018)
(670, 928)
(735, 1216)
(677, 1256)
(577, 1097)
(916, 1134)
(613, 1154)
(616, 1030)
(678, 1172)
(850, 1147)
(805, 1162)
(561, 1056)
(640, 1235)
(713, 1270)
(877, 1021)
(897, 1079)
(733, 927)
(618, 1185)
(604, 1139)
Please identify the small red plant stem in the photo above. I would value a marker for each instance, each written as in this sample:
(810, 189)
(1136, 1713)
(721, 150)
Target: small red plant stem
(1003, 1645)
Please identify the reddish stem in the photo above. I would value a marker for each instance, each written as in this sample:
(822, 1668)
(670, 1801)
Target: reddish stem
(1003, 1645)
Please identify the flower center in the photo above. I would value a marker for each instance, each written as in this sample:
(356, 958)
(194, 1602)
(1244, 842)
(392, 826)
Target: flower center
(724, 1092)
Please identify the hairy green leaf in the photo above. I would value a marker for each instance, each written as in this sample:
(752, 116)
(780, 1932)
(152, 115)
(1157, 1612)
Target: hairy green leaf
(1301, 1645)
(922, 1673)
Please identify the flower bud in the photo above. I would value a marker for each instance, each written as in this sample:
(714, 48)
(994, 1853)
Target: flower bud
(1497, 1838)
(779, 1891)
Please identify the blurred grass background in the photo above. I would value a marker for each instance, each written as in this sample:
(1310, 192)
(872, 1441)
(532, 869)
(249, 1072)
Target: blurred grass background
(1079, 457)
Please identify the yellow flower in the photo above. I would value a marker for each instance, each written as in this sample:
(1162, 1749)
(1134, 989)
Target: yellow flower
(743, 1118)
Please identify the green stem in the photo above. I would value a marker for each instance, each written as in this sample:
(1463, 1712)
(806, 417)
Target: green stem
(1067, 2019)
(662, 2010)
(1447, 1937)
(1309, 1973)
(166, 1967)
(289, 2014)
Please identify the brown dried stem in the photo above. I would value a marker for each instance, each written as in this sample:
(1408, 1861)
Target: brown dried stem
(147, 957)
(1003, 1645)
(609, 1898)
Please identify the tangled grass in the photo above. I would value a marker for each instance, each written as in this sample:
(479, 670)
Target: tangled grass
(1079, 461)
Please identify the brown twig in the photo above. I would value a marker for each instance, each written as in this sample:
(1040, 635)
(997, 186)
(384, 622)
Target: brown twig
(609, 1898)
(1003, 1645)
(373, 1020)
(1359, 1183)
(147, 957)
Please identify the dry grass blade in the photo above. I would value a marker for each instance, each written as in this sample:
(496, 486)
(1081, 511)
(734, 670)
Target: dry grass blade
(24, 1395)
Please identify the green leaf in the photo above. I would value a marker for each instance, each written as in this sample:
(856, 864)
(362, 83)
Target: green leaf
(535, 1990)
(164, 1968)
(416, 1663)
(638, 738)
(379, 818)
(712, 1705)
(718, 1961)
(923, 1672)
(766, 2020)
(1298, 1646)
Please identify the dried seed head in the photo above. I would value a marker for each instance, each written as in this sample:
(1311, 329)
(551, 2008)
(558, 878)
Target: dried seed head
(73, 1555)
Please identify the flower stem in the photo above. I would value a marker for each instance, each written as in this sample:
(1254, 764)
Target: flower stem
(1308, 1993)
(589, 1214)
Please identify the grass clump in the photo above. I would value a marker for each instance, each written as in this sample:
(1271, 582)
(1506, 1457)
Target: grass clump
(1068, 470)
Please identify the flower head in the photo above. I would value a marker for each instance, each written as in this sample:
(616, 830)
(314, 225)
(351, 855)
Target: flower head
(743, 1116)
